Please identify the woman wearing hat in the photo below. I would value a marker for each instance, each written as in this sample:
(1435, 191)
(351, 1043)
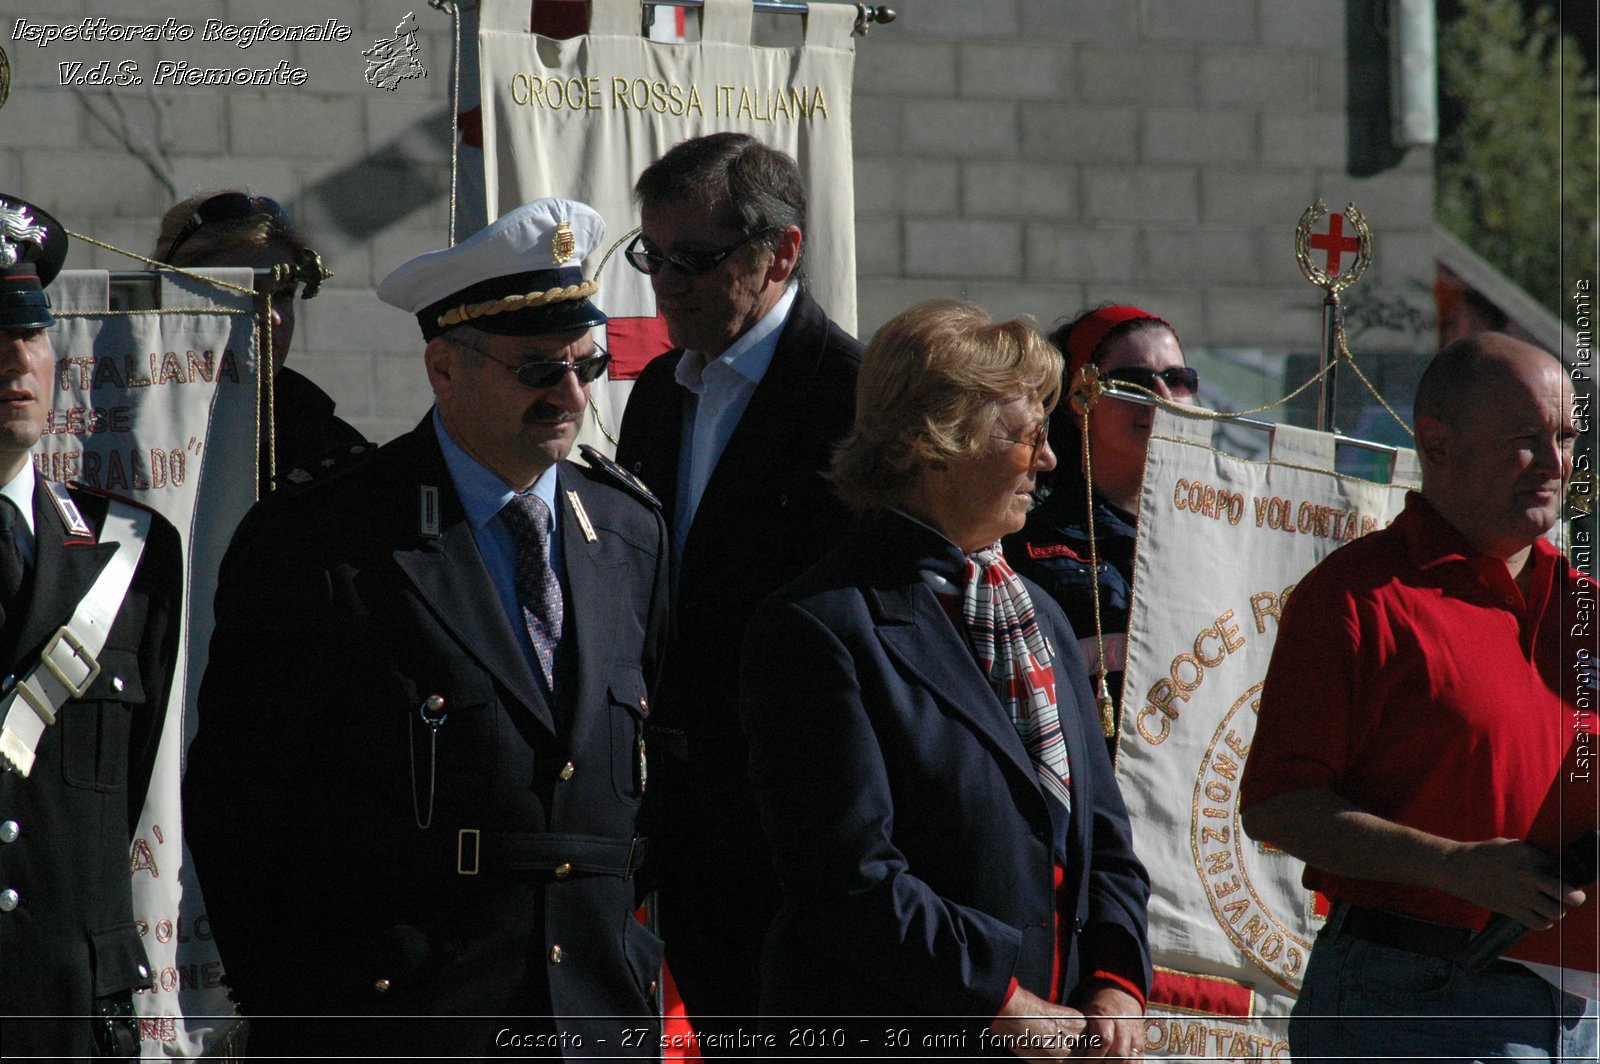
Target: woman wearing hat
(954, 855)
(233, 228)
(1126, 345)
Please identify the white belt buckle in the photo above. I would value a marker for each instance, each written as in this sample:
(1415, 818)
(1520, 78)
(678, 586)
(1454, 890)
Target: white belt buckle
(80, 653)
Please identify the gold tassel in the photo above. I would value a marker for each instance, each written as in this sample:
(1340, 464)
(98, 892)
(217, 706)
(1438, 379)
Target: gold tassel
(1108, 712)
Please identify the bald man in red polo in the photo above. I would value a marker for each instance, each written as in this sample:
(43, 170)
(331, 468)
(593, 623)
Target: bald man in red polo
(1413, 728)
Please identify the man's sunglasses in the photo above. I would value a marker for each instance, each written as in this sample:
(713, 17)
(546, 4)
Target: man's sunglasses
(227, 207)
(547, 374)
(1178, 379)
(687, 263)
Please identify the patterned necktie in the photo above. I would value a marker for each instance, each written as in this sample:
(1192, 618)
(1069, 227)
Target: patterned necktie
(1004, 632)
(11, 564)
(538, 594)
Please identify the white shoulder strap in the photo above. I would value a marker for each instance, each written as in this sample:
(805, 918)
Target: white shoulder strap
(70, 661)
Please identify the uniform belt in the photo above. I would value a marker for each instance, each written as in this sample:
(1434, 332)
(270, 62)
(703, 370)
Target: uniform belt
(557, 855)
(1399, 931)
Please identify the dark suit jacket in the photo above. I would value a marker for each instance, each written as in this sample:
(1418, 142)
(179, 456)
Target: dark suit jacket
(353, 863)
(766, 515)
(71, 938)
(915, 846)
(305, 428)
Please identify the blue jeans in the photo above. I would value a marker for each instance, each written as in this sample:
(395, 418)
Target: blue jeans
(1361, 1000)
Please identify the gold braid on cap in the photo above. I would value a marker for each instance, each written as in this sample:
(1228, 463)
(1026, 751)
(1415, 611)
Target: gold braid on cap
(527, 301)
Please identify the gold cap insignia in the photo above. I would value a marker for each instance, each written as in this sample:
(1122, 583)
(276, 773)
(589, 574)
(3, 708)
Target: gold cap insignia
(562, 242)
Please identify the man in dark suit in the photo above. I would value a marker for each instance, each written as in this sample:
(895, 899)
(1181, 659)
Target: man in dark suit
(733, 430)
(92, 585)
(413, 794)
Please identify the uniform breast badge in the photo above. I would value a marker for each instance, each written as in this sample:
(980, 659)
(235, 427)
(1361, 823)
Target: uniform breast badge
(582, 515)
(428, 523)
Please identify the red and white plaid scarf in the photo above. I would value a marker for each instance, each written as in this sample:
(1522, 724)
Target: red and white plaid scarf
(1013, 653)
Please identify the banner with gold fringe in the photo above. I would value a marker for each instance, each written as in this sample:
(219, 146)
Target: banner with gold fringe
(160, 405)
(1222, 542)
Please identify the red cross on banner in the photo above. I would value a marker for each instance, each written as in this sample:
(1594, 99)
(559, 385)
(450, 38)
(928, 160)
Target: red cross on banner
(1335, 243)
(633, 342)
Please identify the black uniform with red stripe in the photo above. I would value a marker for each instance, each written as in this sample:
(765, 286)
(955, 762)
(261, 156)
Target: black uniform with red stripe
(69, 948)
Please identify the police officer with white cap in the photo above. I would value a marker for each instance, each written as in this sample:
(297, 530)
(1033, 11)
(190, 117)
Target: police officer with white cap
(413, 793)
(90, 594)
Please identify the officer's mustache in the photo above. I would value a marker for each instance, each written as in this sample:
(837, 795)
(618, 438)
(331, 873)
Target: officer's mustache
(550, 412)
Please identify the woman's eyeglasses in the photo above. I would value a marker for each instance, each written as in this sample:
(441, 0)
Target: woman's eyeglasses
(690, 263)
(1034, 440)
(227, 207)
(1180, 380)
(546, 374)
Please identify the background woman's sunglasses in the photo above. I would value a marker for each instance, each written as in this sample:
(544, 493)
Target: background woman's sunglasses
(1176, 378)
(227, 207)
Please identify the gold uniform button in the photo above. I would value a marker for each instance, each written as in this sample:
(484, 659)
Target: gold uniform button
(381, 986)
(563, 870)
(555, 954)
(567, 770)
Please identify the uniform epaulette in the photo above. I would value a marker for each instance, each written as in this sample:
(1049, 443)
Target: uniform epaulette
(72, 517)
(324, 467)
(615, 474)
(68, 510)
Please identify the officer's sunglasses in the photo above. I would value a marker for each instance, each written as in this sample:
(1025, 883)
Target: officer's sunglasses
(688, 263)
(541, 374)
(1180, 380)
(227, 207)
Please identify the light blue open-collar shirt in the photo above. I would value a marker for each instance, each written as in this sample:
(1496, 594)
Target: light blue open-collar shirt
(483, 495)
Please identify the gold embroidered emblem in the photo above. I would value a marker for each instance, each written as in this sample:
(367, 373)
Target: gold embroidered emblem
(562, 243)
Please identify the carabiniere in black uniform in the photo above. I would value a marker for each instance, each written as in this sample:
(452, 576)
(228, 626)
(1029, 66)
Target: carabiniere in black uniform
(77, 758)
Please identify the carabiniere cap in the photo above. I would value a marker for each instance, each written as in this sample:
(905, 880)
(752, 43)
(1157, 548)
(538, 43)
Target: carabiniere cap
(33, 245)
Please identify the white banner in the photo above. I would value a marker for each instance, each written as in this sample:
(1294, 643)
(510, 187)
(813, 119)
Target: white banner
(161, 407)
(1222, 542)
(582, 118)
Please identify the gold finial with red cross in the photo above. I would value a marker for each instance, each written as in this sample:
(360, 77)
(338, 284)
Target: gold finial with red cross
(1324, 254)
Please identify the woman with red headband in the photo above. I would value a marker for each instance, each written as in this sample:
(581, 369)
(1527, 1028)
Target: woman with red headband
(1128, 346)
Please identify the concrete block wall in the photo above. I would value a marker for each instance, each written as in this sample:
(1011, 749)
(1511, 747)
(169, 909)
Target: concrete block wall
(1038, 156)
(1152, 151)
(365, 172)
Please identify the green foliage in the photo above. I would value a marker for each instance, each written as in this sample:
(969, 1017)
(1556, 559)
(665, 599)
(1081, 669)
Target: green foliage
(1515, 166)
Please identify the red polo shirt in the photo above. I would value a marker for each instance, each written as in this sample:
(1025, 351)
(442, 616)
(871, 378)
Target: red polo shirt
(1412, 677)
